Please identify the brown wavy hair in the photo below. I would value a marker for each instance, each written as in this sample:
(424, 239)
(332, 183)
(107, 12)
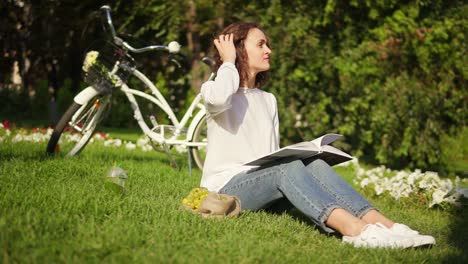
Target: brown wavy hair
(240, 31)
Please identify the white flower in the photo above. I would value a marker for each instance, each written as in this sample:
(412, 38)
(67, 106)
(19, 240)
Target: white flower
(429, 181)
(405, 184)
(378, 189)
(99, 136)
(180, 148)
(401, 190)
(146, 148)
(437, 197)
(117, 142)
(130, 146)
(90, 60)
(72, 137)
(108, 143)
(375, 180)
(365, 182)
(142, 141)
(298, 124)
(380, 170)
(360, 172)
(414, 176)
(17, 138)
(446, 185)
(173, 47)
(113, 143)
(401, 175)
(298, 120)
(49, 132)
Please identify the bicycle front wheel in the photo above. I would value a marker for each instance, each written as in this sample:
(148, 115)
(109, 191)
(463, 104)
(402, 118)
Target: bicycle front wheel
(81, 122)
(200, 136)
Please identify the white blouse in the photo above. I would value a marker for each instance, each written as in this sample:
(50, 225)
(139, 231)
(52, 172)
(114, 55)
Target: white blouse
(242, 126)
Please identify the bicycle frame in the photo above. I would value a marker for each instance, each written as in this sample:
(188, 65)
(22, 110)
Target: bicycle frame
(158, 99)
(189, 131)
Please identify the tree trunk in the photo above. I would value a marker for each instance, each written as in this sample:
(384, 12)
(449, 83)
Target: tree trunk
(193, 41)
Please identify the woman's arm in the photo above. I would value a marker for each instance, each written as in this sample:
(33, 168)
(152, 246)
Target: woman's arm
(217, 94)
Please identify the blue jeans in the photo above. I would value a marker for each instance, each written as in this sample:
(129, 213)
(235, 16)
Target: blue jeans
(315, 189)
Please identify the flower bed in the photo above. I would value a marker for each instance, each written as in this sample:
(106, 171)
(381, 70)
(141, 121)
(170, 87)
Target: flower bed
(426, 187)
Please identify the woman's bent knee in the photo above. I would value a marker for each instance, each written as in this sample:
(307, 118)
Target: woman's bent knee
(319, 163)
(293, 165)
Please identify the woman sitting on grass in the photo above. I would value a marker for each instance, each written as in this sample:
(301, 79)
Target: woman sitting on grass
(243, 125)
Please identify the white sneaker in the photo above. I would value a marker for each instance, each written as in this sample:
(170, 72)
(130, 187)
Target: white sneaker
(379, 236)
(403, 229)
(419, 240)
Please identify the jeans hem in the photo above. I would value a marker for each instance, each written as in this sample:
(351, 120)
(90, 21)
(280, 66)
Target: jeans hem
(365, 210)
(324, 216)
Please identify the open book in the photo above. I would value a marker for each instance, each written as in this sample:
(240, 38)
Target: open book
(308, 150)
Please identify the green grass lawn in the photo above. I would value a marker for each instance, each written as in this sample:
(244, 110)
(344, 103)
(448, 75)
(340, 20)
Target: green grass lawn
(62, 210)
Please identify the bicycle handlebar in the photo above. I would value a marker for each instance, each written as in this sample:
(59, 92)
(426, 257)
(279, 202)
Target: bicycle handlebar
(173, 47)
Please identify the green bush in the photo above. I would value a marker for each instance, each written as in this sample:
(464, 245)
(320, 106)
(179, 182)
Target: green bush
(14, 104)
(65, 96)
(40, 100)
(389, 76)
(455, 152)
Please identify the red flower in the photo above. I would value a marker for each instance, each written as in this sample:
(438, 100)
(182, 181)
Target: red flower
(6, 124)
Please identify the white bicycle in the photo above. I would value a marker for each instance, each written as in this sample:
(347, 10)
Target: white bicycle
(108, 72)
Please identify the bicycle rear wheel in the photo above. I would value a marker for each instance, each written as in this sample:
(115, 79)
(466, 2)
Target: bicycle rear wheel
(81, 121)
(200, 136)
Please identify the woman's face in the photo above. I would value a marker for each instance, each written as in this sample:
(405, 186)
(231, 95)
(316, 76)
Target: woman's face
(258, 52)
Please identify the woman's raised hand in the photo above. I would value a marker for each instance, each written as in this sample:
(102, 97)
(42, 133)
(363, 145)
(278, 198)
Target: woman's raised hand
(226, 48)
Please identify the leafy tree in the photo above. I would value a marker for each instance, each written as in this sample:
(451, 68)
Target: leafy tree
(389, 75)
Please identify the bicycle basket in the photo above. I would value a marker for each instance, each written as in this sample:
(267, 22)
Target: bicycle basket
(106, 66)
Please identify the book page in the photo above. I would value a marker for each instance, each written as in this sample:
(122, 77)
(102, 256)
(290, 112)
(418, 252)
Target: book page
(289, 153)
(335, 151)
(306, 145)
(308, 150)
(326, 139)
(330, 155)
